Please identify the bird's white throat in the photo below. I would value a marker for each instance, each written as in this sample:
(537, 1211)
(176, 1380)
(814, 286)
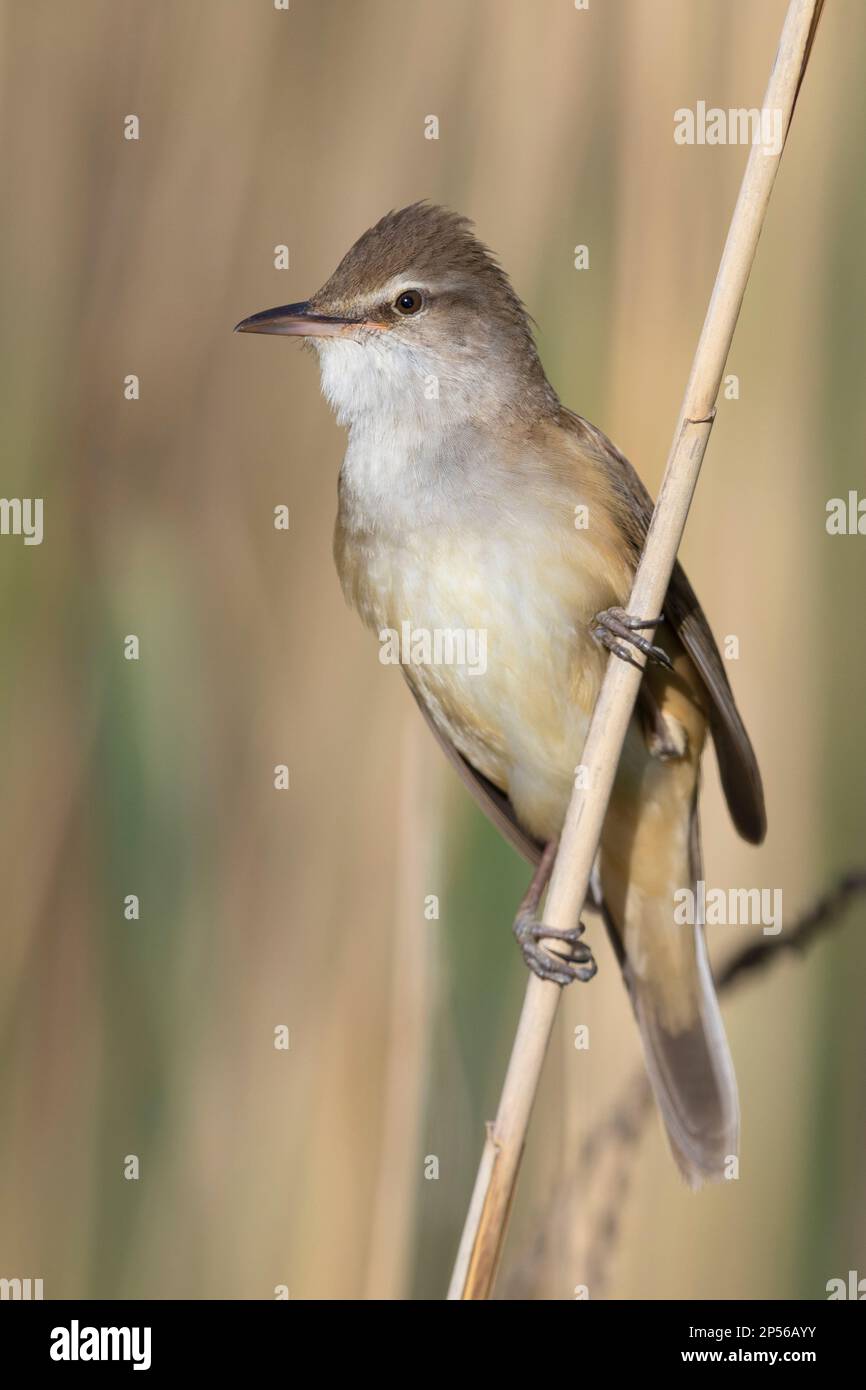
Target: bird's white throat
(409, 417)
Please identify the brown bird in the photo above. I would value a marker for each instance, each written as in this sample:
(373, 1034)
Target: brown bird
(474, 505)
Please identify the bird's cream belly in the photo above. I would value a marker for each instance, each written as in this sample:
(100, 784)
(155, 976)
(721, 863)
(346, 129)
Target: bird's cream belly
(517, 706)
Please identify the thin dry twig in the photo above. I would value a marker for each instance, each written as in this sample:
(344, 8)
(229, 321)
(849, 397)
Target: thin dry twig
(484, 1230)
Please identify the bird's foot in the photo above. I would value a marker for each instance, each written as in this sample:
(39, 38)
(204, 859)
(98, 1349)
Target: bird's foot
(548, 964)
(614, 628)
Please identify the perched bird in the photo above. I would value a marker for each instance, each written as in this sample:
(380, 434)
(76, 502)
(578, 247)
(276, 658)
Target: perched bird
(471, 499)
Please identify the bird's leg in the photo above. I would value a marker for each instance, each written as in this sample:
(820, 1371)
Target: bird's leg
(548, 964)
(614, 627)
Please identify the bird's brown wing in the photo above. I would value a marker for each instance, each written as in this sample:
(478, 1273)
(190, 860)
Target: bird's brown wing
(493, 802)
(738, 766)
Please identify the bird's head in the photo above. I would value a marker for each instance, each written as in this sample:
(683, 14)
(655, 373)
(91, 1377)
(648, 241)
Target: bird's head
(418, 312)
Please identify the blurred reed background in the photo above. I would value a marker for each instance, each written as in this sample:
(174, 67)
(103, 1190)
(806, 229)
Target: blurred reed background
(258, 908)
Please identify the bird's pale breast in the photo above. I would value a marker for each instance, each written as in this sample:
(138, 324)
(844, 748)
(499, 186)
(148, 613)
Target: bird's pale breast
(523, 592)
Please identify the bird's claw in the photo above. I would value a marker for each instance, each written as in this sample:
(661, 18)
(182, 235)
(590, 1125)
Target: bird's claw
(614, 627)
(552, 965)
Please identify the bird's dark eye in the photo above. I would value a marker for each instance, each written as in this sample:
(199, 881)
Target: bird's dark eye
(409, 302)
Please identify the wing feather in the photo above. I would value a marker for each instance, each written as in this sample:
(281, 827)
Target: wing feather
(738, 766)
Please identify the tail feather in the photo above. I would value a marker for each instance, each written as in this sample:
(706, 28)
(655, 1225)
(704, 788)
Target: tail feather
(651, 849)
(692, 1076)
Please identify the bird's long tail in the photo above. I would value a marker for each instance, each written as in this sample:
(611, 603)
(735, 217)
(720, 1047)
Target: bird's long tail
(651, 849)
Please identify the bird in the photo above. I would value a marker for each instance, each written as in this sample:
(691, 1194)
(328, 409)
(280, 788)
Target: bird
(471, 500)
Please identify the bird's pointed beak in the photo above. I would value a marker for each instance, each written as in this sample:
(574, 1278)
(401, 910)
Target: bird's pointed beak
(296, 320)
